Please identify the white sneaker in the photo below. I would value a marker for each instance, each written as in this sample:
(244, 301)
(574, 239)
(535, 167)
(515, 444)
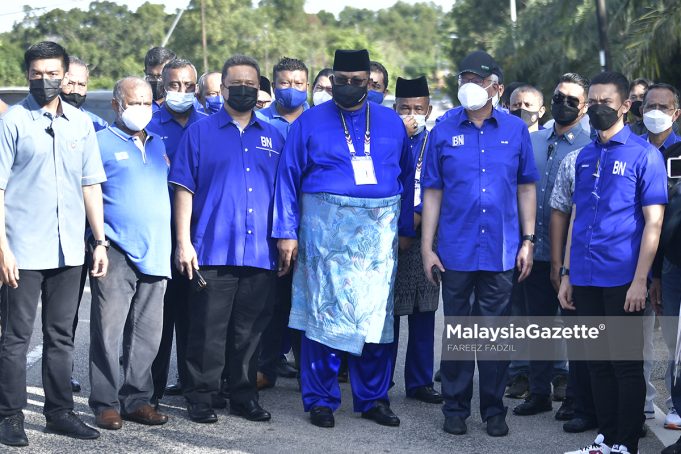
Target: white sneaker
(597, 447)
(620, 449)
(673, 420)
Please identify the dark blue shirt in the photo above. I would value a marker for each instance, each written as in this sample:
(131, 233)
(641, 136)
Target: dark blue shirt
(613, 182)
(155, 107)
(479, 170)
(164, 125)
(273, 117)
(316, 159)
(417, 146)
(231, 174)
(668, 142)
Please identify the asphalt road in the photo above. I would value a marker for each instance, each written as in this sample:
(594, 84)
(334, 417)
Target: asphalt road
(290, 430)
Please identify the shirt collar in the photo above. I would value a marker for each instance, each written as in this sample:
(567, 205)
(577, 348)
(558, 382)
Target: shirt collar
(123, 135)
(621, 137)
(669, 141)
(166, 116)
(38, 111)
(570, 136)
(494, 118)
(275, 113)
(224, 119)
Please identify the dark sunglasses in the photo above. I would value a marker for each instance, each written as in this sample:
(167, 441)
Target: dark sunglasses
(560, 98)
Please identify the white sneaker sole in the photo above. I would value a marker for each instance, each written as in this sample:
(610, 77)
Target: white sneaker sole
(672, 426)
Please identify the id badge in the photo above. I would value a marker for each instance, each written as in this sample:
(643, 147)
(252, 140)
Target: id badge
(363, 166)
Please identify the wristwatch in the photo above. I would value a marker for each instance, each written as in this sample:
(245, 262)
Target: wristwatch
(564, 271)
(104, 243)
(531, 238)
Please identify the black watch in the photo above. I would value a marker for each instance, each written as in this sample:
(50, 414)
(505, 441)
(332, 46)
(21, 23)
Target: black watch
(531, 238)
(104, 243)
(564, 271)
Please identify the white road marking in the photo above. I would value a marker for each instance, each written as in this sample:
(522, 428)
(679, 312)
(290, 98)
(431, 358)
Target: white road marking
(34, 356)
(666, 436)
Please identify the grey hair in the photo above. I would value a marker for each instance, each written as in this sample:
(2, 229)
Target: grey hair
(120, 86)
(202, 82)
(78, 62)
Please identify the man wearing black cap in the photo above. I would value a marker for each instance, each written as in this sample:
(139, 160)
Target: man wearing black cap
(479, 179)
(264, 94)
(414, 295)
(343, 168)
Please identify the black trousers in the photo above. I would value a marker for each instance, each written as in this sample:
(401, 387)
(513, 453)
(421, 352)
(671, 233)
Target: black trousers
(270, 345)
(234, 308)
(619, 388)
(175, 319)
(58, 291)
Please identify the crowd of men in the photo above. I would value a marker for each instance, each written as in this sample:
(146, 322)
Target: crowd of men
(228, 213)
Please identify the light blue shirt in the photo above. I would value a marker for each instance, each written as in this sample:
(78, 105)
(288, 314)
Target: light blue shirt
(273, 117)
(44, 163)
(136, 200)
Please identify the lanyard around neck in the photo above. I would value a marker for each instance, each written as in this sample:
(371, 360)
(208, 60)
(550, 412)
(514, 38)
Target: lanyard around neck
(419, 162)
(348, 137)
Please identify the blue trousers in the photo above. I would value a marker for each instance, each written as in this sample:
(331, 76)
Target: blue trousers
(369, 375)
(418, 365)
(492, 297)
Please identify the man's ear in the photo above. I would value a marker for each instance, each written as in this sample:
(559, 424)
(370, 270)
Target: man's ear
(626, 105)
(542, 111)
(430, 110)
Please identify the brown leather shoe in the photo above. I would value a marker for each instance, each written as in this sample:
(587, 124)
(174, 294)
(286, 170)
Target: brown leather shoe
(146, 415)
(262, 382)
(109, 419)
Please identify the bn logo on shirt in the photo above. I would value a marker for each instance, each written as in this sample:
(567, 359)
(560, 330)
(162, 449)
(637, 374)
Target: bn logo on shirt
(618, 168)
(457, 141)
(266, 142)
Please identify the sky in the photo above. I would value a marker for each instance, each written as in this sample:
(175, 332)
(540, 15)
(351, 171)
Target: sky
(12, 11)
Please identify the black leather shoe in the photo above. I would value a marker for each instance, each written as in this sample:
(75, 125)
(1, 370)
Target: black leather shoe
(426, 394)
(284, 369)
(70, 425)
(201, 413)
(533, 405)
(322, 417)
(566, 411)
(496, 426)
(673, 449)
(644, 431)
(12, 430)
(579, 425)
(250, 410)
(173, 390)
(519, 388)
(218, 402)
(455, 425)
(382, 414)
(224, 388)
(75, 386)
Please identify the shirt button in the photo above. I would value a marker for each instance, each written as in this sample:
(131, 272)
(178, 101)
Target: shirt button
(250, 210)
(483, 230)
(250, 189)
(546, 173)
(543, 190)
(484, 190)
(484, 210)
(482, 151)
(589, 227)
(248, 169)
(249, 232)
(483, 170)
(245, 149)
(481, 132)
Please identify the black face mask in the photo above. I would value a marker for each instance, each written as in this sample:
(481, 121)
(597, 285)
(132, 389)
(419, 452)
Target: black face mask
(527, 116)
(44, 90)
(75, 99)
(242, 98)
(348, 96)
(602, 117)
(157, 91)
(636, 108)
(564, 114)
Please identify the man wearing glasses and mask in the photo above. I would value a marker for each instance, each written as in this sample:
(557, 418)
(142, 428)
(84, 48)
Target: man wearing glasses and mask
(344, 187)
(154, 61)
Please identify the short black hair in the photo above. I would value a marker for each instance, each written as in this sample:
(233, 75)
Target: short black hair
(240, 60)
(175, 64)
(289, 64)
(326, 72)
(505, 99)
(158, 56)
(46, 50)
(640, 81)
(615, 78)
(376, 67)
(574, 78)
(663, 86)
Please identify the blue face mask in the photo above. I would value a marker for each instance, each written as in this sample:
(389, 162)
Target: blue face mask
(214, 104)
(375, 96)
(290, 98)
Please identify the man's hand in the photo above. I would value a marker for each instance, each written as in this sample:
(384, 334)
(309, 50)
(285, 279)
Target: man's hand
(100, 262)
(636, 296)
(410, 124)
(524, 260)
(430, 259)
(655, 294)
(555, 276)
(565, 294)
(9, 271)
(288, 253)
(185, 259)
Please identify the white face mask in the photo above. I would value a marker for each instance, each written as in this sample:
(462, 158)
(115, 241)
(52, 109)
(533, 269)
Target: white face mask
(420, 121)
(179, 102)
(473, 96)
(657, 121)
(495, 100)
(320, 97)
(136, 117)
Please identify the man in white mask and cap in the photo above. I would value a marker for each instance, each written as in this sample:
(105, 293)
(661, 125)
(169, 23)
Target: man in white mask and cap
(479, 194)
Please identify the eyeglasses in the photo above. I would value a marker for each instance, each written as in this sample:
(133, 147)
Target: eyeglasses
(153, 77)
(342, 80)
(560, 98)
(477, 80)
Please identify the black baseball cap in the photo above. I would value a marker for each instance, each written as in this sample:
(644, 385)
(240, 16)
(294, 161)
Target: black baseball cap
(480, 63)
